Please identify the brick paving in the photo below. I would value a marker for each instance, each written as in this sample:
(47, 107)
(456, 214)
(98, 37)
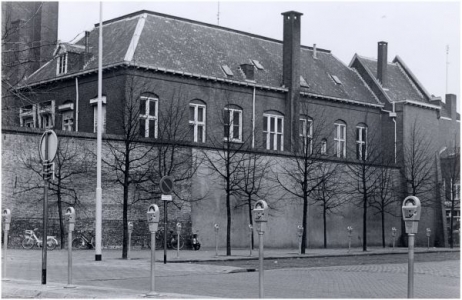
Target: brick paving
(117, 278)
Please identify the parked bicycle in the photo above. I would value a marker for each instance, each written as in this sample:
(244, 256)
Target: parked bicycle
(86, 240)
(172, 240)
(30, 240)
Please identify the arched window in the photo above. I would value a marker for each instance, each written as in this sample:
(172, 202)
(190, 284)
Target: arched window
(306, 134)
(340, 138)
(273, 130)
(197, 109)
(232, 119)
(361, 141)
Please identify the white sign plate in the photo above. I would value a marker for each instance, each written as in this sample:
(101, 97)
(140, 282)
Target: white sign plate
(48, 146)
(166, 197)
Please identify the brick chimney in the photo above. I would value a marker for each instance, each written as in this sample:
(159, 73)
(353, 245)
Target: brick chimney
(87, 45)
(382, 63)
(451, 105)
(291, 76)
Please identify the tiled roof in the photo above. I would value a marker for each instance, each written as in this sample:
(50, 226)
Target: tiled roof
(198, 48)
(399, 85)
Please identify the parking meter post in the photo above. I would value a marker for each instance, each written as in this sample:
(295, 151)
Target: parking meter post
(178, 231)
(165, 232)
(216, 228)
(250, 238)
(411, 210)
(260, 213)
(153, 221)
(70, 218)
(5, 246)
(129, 244)
(45, 232)
(6, 219)
(260, 259)
(410, 272)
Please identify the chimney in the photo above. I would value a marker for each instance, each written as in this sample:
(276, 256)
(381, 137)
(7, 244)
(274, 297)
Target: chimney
(87, 46)
(451, 105)
(382, 63)
(249, 71)
(291, 76)
(314, 52)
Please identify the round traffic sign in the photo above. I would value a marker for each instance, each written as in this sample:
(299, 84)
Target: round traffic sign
(48, 146)
(166, 185)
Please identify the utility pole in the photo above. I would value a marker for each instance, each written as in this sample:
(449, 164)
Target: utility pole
(447, 67)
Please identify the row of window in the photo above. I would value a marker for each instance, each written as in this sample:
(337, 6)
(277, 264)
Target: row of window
(273, 125)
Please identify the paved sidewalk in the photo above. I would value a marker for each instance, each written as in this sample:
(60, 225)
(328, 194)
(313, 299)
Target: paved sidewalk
(94, 279)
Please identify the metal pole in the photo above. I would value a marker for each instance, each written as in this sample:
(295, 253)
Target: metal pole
(393, 242)
(69, 261)
(300, 245)
(260, 277)
(165, 232)
(45, 223)
(349, 244)
(129, 243)
(250, 241)
(410, 268)
(99, 192)
(178, 246)
(216, 242)
(428, 243)
(5, 247)
(153, 265)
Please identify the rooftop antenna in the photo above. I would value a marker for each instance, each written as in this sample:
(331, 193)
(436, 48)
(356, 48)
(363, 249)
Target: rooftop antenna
(447, 67)
(218, 14)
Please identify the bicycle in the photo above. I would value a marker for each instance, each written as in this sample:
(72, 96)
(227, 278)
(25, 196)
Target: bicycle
(31, 240)
(172, 242)
(83, 241)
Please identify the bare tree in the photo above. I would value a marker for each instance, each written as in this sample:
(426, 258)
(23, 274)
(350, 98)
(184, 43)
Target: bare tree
(226, 157)
(300, 176)
(71, 165)
(328, 194)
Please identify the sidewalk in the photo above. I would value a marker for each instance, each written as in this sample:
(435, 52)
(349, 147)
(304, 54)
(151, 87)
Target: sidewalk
(24, 267)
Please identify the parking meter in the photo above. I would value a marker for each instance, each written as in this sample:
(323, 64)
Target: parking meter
(350, 230)
(6, 219)
(260, 213)
(130, 227)
(411, 214)
(70, 218)
(178, 227)
(393, 231)
(429, 231)
(215, 227)
(153, 217)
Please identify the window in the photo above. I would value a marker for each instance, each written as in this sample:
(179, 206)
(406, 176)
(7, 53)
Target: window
(94, 102)
(227, 70)
(306, 135)
(273, 128)
(233, 124)
(335, 79)
(340, 139)
(197, 122)
(68, 120)
(455, 191)
(61, 67)
(257, 64)
(361, 138)
(148, 117)
(46, 114)
(323, 147)
(27, 116)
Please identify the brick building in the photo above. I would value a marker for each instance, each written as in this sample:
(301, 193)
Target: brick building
(272, 93)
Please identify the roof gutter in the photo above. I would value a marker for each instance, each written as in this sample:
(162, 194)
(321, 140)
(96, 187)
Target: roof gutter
(420, 104)
(342, 100)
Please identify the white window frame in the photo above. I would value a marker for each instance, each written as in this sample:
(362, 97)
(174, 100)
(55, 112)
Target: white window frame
(339, 127)
(360, 143)
(94, 102)
(46, 114)
(323, 147)
(28, 116)
(61, 66)
(230, 112)
(268, 132)
(68, 120)
(147, 117)
(306, 135)
(196, 123)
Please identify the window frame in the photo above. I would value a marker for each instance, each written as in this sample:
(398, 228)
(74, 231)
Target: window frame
(61, 66)
(340, 151)
(147, 117)
(94, 102)
(324, 147)
(230, 111)
(304, 135)
(70, 125)
(46, 114)
(196, 123)
(268, 132)
(360, 143)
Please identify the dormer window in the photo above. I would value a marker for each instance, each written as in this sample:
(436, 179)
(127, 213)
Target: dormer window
(227, 70)
(61, 67)
(335, 79)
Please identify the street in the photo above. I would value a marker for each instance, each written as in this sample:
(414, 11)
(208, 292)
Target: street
(437, 275)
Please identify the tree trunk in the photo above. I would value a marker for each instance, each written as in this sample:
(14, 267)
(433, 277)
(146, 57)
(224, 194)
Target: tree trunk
(125, 203)
(383, 226)
(305, 215)
(364, 211)
(324, 216)
(228, 225)
(251, 221)
(451, 227)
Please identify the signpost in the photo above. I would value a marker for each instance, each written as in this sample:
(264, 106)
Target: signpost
(47, 151)
(166, 187)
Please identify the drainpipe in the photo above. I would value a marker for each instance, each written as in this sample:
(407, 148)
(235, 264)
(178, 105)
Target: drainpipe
(253, 118)
(394, 121)
(76, 104)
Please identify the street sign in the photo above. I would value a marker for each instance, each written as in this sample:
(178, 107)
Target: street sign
(166, 185)
(166, 197)
(48, 146)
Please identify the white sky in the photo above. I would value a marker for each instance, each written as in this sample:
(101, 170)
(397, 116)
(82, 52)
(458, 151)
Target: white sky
(416, 31)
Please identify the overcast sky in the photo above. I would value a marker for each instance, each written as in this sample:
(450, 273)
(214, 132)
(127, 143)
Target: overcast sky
(416, 31)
